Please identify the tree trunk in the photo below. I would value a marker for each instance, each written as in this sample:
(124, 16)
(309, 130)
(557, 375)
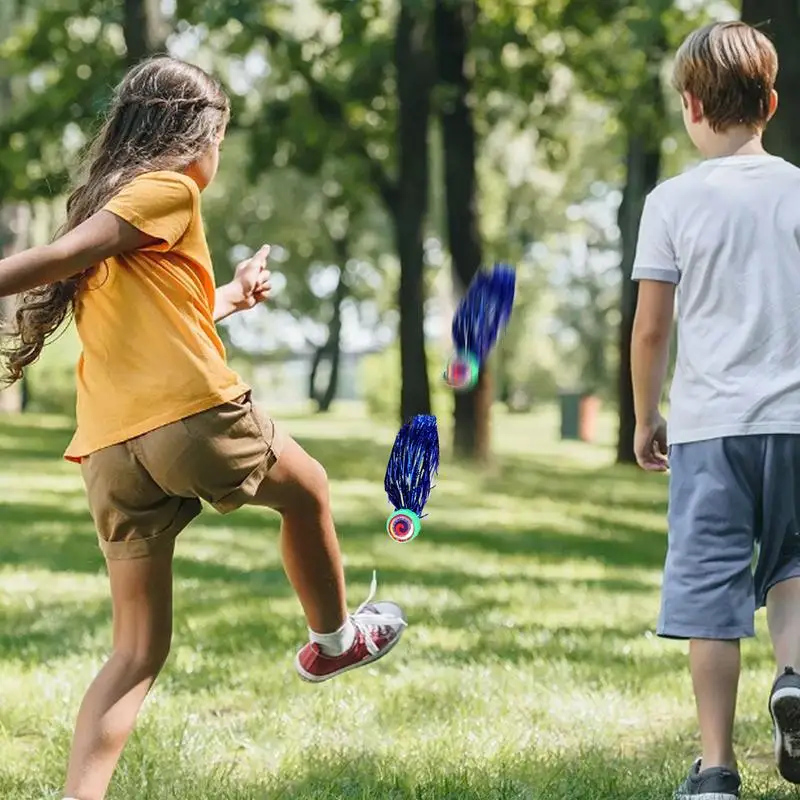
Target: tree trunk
(643, 168)
(780, 20)
(410, 205)
(453, 22)
(332, 349)
(143, 29)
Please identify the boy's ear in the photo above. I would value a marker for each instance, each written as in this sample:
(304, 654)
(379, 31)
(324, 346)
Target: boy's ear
(694, 107)
(773, 104)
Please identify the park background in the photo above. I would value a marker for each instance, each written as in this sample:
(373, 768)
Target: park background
(386, 149)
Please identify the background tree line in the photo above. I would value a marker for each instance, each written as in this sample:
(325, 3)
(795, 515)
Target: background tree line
(390, 148)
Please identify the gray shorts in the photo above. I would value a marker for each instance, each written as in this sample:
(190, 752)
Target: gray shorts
(729, 499)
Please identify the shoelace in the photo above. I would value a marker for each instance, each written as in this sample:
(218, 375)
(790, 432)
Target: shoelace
(364, 620)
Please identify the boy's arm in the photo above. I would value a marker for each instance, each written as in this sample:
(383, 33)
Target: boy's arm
(101, 236)
(652, 327)
(656, 269)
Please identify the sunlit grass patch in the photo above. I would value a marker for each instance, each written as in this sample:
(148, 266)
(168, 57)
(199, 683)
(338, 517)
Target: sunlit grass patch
(530, 668)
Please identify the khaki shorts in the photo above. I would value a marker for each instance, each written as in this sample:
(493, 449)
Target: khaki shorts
(144, 492)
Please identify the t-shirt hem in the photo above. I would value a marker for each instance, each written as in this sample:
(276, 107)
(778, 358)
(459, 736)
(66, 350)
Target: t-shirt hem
(722, 431)
(75, 453)
(662, 274)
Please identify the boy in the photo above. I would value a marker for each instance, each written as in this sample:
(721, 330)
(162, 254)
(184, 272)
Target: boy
(727, 234)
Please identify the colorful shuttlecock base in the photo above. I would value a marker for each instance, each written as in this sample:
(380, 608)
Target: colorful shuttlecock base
(461, 371)
(403, 525)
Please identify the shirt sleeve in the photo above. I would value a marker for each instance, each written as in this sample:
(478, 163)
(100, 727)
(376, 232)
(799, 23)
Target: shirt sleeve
(160, 204)
(655, 258)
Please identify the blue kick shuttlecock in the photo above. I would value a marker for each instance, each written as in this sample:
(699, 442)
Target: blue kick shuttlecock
(413, 462)
(481, 315)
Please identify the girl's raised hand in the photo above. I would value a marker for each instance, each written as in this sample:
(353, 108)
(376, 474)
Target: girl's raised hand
(251, 279)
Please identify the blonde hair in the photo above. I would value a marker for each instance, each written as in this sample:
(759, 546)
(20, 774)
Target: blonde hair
(165, 115)
(730, 67)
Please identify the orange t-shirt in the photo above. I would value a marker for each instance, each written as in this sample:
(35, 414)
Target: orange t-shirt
(151, 351)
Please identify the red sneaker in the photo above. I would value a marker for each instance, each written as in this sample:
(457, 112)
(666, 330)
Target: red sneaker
(379, 627)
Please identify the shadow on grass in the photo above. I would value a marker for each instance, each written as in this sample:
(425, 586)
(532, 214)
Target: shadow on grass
(534, 475)
(61, 539)
(604, 651)
(36, 536)
(25, 440)
(595, 774)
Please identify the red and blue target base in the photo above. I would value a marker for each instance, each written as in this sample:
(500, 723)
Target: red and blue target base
(461, 371)
(403, 525)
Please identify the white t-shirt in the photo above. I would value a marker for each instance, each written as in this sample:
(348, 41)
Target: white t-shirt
(728, 234)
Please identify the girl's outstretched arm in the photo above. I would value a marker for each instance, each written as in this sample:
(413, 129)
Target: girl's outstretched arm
(102, 236)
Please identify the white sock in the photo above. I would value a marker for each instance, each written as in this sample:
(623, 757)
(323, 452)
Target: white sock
(336, 643)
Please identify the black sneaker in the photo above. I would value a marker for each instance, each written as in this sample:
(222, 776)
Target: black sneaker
(784, 708)
(716, 783)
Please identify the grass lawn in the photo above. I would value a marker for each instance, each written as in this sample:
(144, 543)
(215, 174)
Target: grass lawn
(530, 668)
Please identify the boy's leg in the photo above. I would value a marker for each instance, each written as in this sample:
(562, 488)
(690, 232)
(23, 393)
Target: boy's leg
(778, 586)
(708, 593)
(141, 591)
(783, 618)
(715, 667)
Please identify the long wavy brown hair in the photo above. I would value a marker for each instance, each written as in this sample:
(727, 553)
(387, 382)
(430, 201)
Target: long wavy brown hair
(165, 115)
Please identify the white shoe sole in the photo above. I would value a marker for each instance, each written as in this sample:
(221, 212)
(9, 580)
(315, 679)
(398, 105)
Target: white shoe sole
(307, 676)
(708, 796)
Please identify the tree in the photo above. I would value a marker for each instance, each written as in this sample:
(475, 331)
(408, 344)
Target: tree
(144, 29)
(454, 21)
(414, 74)
(331, 350)
(362, 100)
(634, 85)
(644, 127)
(643, 166)
(780, 19)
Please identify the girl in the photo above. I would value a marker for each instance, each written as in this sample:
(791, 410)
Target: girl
(163, 423)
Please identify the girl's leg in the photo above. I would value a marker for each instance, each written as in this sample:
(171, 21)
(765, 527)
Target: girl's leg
(141, 591)
(297, 487)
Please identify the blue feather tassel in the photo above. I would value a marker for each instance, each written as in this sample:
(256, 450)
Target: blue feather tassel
(413, 462)
(480, 317)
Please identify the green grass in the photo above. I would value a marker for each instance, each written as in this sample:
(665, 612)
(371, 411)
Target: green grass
(530, 669)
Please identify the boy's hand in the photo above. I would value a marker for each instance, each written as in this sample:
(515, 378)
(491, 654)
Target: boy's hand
(250, 285)
(650, 445)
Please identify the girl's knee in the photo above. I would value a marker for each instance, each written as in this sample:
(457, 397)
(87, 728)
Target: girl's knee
(298, 484)
(310, 490)
(147, 659)
(315, 485)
